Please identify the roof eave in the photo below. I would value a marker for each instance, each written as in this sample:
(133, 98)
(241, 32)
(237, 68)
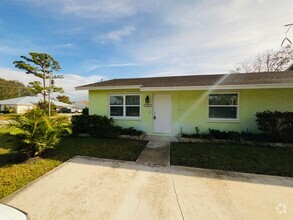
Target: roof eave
(182, 88)
(219, 87)
(107, 87)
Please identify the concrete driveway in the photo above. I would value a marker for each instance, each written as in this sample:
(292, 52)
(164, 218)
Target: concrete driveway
(88, 188)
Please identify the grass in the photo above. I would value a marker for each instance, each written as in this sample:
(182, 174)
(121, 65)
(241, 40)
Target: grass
(251, 159)
(14, 176)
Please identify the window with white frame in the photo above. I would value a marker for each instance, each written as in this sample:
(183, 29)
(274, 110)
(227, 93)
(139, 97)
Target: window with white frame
(223, 106)
(125, 106)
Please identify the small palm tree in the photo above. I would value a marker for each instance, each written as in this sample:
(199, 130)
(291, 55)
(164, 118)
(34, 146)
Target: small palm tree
(38, 132)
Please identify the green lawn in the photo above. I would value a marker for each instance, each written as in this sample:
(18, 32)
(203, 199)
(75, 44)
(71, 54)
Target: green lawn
(241, 158)
(15, 176)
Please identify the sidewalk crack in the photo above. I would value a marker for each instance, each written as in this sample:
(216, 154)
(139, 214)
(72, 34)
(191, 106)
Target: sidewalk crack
(174, 187)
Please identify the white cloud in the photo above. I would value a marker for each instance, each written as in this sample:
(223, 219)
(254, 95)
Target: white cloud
(91, 65)
(115, 36)
(98, 10)
(68, 83)
(213, 36)
(123, 64)
(103, 9)
(10, 74)
(67, 45)
(71, 81)
(182, 37)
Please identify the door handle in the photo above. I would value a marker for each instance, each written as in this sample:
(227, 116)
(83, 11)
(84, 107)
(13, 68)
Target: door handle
(155, 117)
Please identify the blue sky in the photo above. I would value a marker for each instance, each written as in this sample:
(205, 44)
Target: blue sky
(105, 39)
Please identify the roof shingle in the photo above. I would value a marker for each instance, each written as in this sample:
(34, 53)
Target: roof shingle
(200, 80)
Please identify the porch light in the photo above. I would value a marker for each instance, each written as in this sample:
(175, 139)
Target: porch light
(147, 100)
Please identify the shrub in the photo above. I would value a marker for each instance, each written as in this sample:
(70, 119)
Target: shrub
(276, 126)
(217, 134)
(19, 157)
(101, 126)
(80, 124)
(248, 136)
(9, 110)
(37, 132)
(94, 125)
(85, 111)
(131, 131)
(45, 106)
(196, 135)
(233, 136)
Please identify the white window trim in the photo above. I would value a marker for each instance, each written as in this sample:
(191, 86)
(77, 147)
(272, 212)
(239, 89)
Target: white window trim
(124, 106)
(224, 119)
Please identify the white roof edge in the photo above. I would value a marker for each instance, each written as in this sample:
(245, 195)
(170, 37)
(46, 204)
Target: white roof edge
(30, 100)
(108, 87)
(174, 88)
(249, 86)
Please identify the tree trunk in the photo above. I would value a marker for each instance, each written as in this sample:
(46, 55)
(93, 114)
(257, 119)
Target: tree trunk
(44, 84)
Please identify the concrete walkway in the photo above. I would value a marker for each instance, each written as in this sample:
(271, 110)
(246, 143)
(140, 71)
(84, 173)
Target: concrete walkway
(89, 188)
(157, 151)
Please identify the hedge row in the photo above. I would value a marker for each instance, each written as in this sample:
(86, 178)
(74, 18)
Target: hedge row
(273, 126)
(94, 125)
(277, 126)
(99, 126)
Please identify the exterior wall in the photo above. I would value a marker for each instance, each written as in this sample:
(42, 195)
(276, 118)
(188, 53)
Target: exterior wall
(8, 106)
(190, 108)
(18, 108)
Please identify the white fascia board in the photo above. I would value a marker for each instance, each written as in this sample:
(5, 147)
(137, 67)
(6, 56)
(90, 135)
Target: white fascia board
(219, 87)
(108, 87)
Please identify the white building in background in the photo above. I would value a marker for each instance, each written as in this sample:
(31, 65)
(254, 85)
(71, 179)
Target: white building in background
(80, 104)
(24, 104)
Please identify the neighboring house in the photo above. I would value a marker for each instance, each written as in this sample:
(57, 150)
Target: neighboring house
(170, 105)
(80, 104)
(23, 104)
(76, 107)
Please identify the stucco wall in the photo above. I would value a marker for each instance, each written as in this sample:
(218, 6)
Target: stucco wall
(8, 106)
(190, 108)
(20, 109)
(23, 108)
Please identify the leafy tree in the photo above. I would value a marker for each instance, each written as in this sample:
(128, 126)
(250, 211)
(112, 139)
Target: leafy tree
(269, 61)
(38, 132)
(12, 89)
(45, 107)
(42, 66)
(64, 98)
(35, 88)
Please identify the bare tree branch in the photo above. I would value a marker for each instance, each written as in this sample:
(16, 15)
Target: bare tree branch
(269, 61)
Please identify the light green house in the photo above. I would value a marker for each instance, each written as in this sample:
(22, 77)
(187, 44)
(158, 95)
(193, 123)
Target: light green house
(171, 105)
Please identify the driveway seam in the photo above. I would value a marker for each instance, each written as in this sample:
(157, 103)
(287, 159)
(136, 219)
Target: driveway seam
(175, 191)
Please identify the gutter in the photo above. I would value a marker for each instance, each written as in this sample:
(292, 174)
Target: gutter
(219, 87)
(107, 87)
(185, 88)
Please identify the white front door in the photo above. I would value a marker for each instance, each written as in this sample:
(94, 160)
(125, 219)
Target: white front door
(162, 117)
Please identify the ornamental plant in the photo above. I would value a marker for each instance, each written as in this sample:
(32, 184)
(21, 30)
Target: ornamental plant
(37, 132)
